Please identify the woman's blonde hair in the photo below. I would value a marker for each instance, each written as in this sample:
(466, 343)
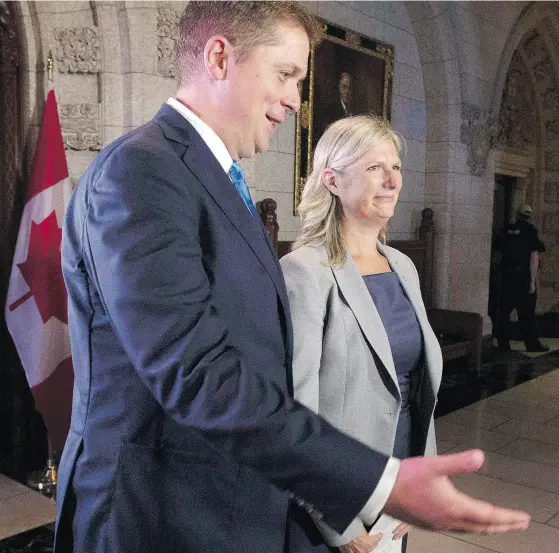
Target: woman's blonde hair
(342, 145)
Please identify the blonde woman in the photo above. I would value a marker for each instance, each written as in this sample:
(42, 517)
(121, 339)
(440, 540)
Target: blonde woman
(365, 356)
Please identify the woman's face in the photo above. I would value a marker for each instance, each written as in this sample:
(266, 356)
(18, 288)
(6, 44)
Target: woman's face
(369, 190)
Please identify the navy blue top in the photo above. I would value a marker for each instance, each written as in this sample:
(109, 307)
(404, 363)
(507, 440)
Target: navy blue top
(404, 334)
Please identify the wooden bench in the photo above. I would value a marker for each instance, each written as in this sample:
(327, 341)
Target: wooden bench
(459, 332)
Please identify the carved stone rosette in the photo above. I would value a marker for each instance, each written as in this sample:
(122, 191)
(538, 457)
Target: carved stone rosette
(478, 131)
(167, 23)
(77, 50)
(80, 126)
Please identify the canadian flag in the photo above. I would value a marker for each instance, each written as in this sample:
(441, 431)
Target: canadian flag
(36, 305)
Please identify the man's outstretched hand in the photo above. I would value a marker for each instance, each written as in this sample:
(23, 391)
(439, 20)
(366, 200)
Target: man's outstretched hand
(424, 496)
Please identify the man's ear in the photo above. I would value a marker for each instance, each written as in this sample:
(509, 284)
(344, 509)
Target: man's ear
(216, 57)
(328, 178)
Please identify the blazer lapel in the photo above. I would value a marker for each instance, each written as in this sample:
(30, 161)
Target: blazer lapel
(199, 159)
(360, 302)
(407, 279)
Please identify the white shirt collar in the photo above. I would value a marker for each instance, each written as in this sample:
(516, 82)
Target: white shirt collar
(208, 135)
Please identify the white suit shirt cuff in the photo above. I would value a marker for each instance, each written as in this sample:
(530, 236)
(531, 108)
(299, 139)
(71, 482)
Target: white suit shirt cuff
(376, 502)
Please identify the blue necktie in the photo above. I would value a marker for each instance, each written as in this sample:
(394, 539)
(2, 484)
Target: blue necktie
(236, 174)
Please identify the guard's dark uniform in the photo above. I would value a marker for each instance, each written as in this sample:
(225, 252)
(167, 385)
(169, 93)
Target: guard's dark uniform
(517, 243)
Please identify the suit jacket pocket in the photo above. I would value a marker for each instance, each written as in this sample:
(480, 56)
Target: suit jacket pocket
(166, 501)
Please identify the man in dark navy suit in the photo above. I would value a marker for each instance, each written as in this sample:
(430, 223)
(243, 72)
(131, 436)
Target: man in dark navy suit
(184, 436)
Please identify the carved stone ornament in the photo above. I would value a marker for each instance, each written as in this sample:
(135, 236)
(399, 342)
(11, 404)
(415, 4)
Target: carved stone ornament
(516, 126)
(77, 50)
(543, 70)
(550, 99)
(534, 46)
(552, 129)
(167, 23)
(478, 131)
(80, 126)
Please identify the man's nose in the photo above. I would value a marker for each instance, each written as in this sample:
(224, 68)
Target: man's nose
(292, 100)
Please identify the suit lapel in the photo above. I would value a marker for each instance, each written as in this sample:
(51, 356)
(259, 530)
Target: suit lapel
(359, 299)
(201, 162)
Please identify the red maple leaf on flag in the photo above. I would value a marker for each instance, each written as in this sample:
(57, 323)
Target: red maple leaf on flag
(42, 270)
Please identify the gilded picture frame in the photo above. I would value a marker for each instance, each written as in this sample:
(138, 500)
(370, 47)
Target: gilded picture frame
(344, 65)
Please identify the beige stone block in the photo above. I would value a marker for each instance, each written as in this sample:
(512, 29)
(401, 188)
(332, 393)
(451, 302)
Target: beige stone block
(413, 155)
(408, 82)
(48, 7)
(370, 26)
(467, 219)
(501, 14)
(413, 187)
(464, 249)
(283, 139)
(438, 189)
(436, 157)
(396, 14)
(372, 9)
(339, 13)
(311, 7)
(444, 122)
(78, 162)
(31, 42)
(77, 89)
(112, 99)
(435, 37)
(407, 217)
(143, 96)
(405, 45)
(273, 172)
(442, 82)
(448, 157)
(111, 133)
(422, 11)
(476, 91)
(142, 37)
(114, 51)
(461, 188)
(477, 62)
(409, 117)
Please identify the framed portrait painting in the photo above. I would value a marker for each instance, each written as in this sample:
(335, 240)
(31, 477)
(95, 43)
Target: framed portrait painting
(349, 74)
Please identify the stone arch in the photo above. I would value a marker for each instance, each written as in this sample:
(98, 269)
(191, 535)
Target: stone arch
(436, 41)
(532, 50)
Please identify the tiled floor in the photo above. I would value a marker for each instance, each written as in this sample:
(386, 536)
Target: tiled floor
(519, 430)
(22, 509)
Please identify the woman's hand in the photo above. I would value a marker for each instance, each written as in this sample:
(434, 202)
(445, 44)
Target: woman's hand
(400, 531)
(363, 543)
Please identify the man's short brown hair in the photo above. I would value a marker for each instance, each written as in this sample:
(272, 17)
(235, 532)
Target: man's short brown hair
(244, 24)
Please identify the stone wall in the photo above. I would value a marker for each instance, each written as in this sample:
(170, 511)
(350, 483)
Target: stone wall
(114, 69)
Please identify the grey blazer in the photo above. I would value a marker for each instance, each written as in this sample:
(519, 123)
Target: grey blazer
(342, 362)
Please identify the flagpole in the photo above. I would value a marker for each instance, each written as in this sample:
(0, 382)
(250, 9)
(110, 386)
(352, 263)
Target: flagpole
(45, 480)
(50, 67)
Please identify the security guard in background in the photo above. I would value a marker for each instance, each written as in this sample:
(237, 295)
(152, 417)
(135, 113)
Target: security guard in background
(520, 247)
